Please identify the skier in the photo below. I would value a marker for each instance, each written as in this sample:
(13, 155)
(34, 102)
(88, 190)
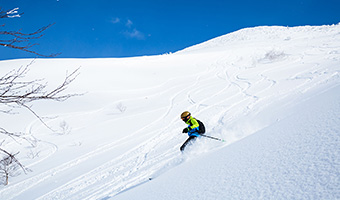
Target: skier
(195, 128)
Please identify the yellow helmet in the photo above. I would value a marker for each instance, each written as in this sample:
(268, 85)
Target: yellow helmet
(185, 114)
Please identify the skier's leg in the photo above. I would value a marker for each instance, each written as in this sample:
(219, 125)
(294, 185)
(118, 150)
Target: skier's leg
(190, 139)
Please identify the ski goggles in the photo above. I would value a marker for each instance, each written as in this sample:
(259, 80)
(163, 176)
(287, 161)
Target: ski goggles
(186, 118)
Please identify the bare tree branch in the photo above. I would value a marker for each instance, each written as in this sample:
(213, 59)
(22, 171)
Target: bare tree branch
(10, 13)
(9, 165)
(16, 92)
(18, 39)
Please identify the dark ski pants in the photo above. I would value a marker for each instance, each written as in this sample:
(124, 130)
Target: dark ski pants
(189, 140)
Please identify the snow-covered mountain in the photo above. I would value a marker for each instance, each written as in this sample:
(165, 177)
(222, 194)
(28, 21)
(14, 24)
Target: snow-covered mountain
(272, 93)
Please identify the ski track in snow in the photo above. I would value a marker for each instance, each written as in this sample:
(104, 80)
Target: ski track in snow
(137, 166)
(233, 88)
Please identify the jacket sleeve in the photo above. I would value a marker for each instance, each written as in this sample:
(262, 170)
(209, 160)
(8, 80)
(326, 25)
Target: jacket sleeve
(193, 124)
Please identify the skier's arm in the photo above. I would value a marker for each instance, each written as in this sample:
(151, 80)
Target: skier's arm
(193, 124)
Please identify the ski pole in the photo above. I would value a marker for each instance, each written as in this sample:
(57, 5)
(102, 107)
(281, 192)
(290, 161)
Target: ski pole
(207, 136)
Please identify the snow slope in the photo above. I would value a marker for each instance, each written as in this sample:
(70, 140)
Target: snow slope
(247, 87)
(294, 158)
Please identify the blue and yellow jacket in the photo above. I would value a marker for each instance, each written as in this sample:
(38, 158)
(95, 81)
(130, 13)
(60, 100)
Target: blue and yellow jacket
(193, 127)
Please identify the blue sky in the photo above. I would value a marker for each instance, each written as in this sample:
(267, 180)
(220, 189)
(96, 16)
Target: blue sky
(125, 28)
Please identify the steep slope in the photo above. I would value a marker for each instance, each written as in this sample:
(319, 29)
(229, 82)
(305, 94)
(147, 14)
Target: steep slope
(294, 158)
(126, 127)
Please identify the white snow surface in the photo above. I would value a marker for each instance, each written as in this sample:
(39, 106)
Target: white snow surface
(272, 93)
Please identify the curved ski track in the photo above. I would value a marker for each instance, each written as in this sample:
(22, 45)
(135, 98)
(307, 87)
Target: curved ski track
(230, 93)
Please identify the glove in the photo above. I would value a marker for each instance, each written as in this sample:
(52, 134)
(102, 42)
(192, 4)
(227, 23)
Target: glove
(185, 130)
